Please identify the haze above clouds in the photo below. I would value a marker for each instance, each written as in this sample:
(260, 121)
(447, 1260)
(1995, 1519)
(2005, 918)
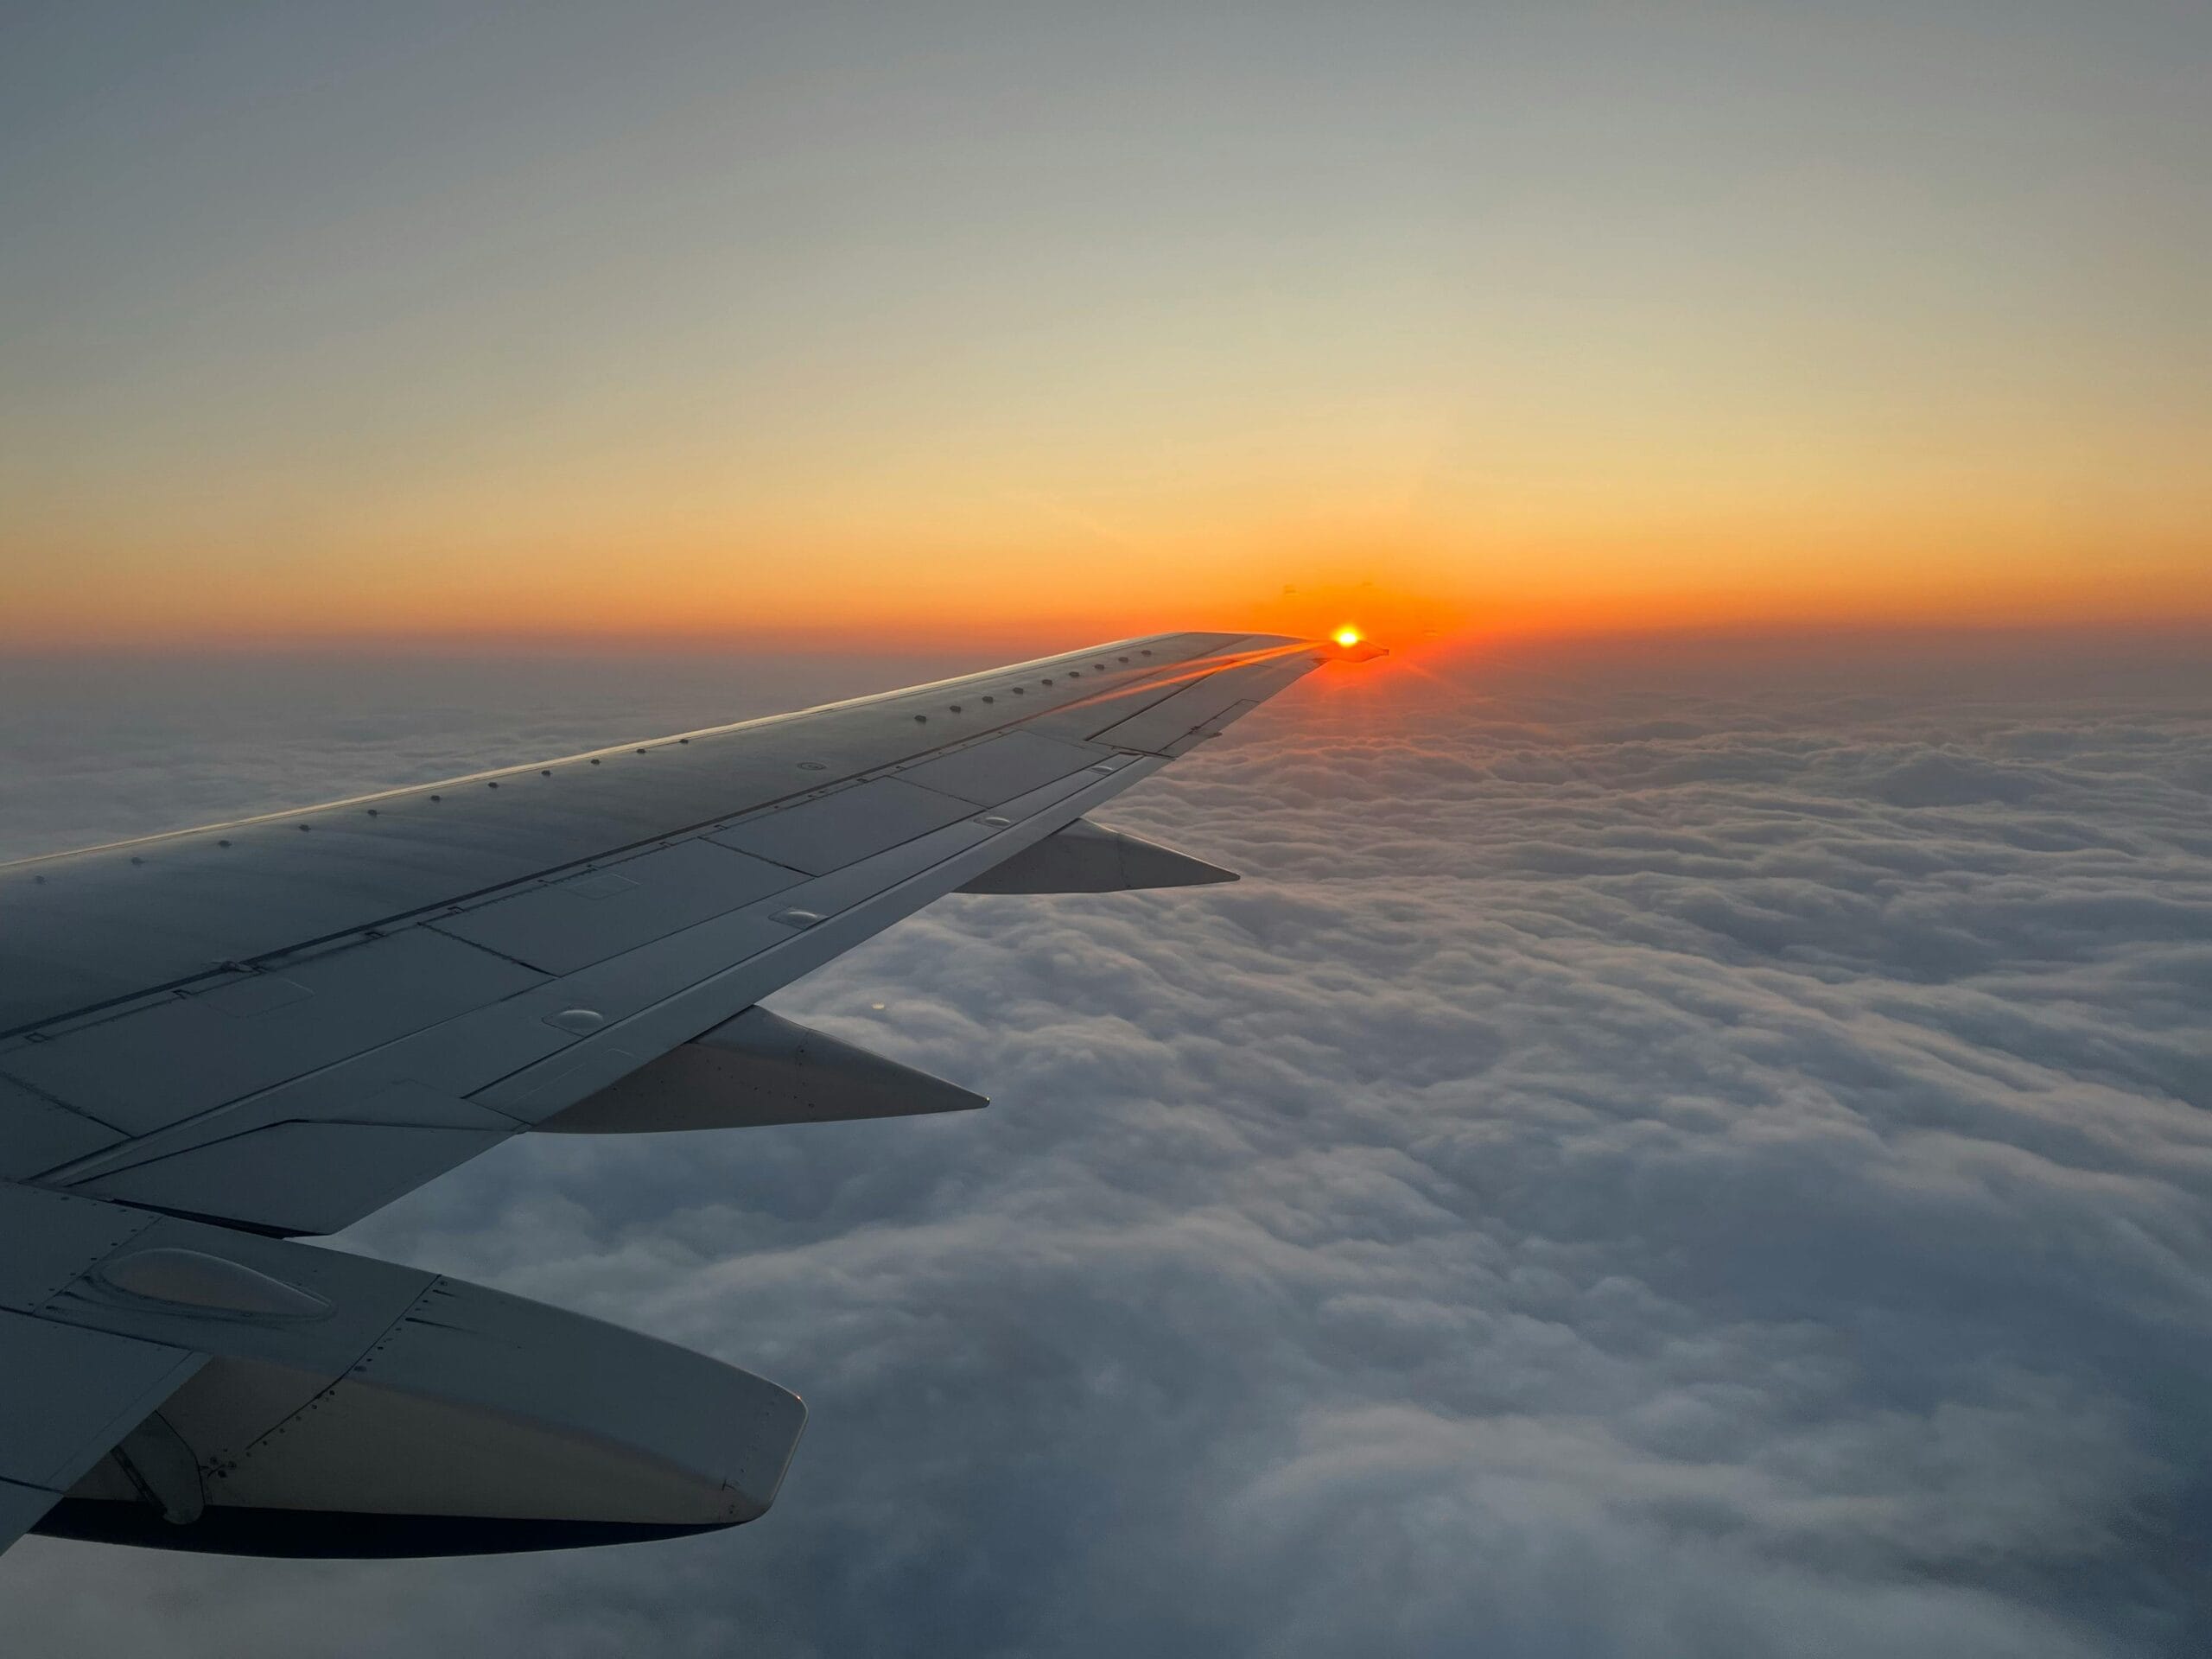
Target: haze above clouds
(1657, 1158)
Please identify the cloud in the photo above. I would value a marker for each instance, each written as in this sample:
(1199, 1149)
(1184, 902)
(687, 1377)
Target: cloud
(1646, 1164)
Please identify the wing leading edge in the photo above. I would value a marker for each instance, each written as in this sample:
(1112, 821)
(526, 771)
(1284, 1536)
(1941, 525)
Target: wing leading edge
(277, 1025)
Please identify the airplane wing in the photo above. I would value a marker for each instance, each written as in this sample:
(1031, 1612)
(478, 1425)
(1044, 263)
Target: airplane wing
(214, 1040)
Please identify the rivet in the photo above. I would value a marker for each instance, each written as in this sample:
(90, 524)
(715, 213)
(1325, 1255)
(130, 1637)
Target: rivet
(1019, 690)
(38, 880)
(305, 828)
(1048, 680)
(373, 812)
(545, 772)
(640, 751)
(490, 785)
(595, 763)
(955, 708)
(1125, 659)
(437, 797)
(1075, 673)
(684, 739)
(921, 720)
(137, 860)
(219, 843)
(1147, 652)
(991, 699)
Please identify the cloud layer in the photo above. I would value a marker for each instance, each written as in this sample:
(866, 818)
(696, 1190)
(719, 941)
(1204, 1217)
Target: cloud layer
(1650, 1162)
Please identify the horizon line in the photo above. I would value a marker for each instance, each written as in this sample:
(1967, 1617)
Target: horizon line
(926, 641)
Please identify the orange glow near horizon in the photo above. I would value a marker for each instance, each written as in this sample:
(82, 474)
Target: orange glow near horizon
(937, 564)
(870, 604)
(886, 599)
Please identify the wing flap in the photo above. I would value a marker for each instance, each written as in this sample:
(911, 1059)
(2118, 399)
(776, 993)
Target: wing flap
(68, 1395)
(372, 1409)
(36, 1134)
(254, 1178)
(185, 1054)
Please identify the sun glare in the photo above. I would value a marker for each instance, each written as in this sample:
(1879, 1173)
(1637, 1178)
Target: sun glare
(1347, 635)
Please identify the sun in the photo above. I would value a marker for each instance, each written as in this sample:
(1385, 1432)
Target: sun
(1347, 635)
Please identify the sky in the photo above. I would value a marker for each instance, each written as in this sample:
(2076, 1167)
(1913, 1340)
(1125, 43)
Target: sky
(1691, 1139)
(1696, 1152)
(954, 323)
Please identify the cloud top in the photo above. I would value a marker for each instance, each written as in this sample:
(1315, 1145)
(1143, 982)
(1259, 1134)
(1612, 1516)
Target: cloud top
(1644, 1165)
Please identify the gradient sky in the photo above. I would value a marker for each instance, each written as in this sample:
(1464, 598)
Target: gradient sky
(937, 320)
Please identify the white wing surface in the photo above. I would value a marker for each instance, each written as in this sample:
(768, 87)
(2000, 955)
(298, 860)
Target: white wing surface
(277, 1025)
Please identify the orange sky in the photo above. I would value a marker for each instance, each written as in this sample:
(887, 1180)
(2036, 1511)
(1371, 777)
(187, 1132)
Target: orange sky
(1531, 322)
(1043, 583)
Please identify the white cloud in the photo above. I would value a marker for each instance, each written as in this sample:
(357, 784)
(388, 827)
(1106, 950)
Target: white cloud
(1646, 1164)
